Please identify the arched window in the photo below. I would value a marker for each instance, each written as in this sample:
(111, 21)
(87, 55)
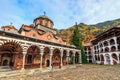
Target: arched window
(113, 48)
(101, 45)
(106, 49)
(95, 52)
(46, 23)
(118, 40)
(112, 42)
(101, 51)
(118, 47)
(40, 22)
(89, 48)
(105, 43)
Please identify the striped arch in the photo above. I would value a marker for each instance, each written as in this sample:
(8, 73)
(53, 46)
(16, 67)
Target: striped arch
(12, 41)
(11, 54)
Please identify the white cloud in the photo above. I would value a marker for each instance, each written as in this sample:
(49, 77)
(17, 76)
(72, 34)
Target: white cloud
(64, 13)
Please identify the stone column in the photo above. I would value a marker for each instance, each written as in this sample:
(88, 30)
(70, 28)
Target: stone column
(109, 46)
(51, 54)
(73, 57)
(41, 56)
(41, 61)
(103, 43)
(100, 59)
(103, 49)
(80, 61)
(116, 45)
(105, 60)
(111, 59)
(118, 58)
(61, 62)
(93, 54)
(23, 62)
(108, 42)
(67, 57)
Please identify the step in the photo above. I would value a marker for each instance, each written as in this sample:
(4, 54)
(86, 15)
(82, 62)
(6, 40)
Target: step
(5, 68)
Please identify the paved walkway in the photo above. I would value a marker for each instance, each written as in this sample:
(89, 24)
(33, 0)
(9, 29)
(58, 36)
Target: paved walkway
(81, 72)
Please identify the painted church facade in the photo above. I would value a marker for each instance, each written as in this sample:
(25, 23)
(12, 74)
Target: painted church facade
(35, 46)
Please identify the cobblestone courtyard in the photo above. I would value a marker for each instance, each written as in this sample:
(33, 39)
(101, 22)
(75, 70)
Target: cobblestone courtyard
(83, 72)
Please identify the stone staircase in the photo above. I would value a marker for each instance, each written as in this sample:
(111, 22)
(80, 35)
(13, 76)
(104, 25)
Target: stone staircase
(5, 68)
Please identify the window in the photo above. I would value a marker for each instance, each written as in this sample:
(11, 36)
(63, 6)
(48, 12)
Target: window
(46, 23)
(40, 22)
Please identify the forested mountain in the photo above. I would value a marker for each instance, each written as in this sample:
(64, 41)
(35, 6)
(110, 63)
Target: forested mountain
(88, 32)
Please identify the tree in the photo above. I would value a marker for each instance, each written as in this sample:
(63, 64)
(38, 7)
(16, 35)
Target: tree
(77, 41)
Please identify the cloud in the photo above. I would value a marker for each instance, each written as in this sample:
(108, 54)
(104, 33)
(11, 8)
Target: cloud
(64, 13)
(99, 11)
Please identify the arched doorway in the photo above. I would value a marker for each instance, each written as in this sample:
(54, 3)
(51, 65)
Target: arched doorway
(46, 57)
(119, 58)
(115, 59)
(11, 55)
(96, 59)
(76, 58)
(5, 62)
(107, 58)
(102, 59)
(64, 57)
(7, 59)
(71, 57)
(56, 58)
(47, 63)
(32, 57)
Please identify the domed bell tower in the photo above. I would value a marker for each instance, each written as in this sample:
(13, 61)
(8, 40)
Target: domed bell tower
(44, 23)
(43, 20)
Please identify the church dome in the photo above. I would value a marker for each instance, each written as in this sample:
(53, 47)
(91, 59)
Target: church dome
(43, 20)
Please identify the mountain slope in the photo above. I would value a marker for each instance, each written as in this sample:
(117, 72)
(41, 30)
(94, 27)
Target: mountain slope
(88, 32)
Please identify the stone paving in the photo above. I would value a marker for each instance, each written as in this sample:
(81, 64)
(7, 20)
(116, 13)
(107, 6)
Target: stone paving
(81, 72)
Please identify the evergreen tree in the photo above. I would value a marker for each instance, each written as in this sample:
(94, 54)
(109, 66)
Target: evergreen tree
(77, 41)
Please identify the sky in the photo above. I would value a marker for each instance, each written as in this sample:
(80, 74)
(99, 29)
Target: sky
(64, 13)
